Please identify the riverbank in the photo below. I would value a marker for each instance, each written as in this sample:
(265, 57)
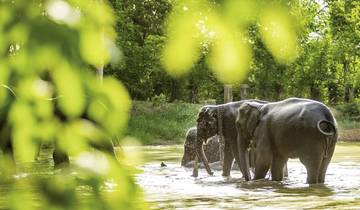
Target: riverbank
(161, 123)
(166, 123)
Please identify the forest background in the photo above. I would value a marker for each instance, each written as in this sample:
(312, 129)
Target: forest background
(326, 68)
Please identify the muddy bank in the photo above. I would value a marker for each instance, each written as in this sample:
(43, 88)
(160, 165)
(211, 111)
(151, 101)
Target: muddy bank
(349, 135)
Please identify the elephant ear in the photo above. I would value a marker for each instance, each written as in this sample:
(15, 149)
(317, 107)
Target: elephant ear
(248, 118)
(202, 112)
(207, 113)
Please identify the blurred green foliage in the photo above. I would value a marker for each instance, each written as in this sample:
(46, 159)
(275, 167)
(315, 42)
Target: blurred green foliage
(49, 93)
(323, 65)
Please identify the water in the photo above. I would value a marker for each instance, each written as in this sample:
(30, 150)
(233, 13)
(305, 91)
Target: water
(172, 187)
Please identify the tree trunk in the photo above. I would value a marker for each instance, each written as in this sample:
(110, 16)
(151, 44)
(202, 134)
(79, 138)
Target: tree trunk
(333, 93)
(315, 92)
(228, 96)
(193, 87)
(175, 87)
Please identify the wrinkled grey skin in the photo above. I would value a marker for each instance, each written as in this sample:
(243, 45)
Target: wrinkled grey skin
(212, 152)
(211, 148)
(292, 128)
(207, 126)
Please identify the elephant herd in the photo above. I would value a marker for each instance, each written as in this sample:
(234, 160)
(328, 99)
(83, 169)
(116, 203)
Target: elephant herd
(291, 128)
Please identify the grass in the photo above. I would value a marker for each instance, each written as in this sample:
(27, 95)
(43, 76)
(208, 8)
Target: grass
(345, 121)
(161, 123)
(345, 124)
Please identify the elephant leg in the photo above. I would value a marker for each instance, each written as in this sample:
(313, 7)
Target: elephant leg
(313, 168)
(61, 159)
(228, 160)
(286, 172)
(324, 165)
(37, 154)
(323, 168)
(252, 157)
(238, 161)
(9, 152)
(263, 160)
(277, 167)
(262, 167)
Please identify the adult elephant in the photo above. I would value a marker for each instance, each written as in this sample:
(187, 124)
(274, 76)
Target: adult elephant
(60, 157)
(292, 128)
(220, 120)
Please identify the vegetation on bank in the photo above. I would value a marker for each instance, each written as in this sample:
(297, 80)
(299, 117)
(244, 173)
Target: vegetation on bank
(156, 123)
(161, 123)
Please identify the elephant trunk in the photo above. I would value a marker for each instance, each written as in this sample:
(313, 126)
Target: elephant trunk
(243, 157)
(201, 156)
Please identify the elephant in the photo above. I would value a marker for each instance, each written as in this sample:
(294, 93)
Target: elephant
(291, 128)
(211, 149)
(220, 120)
(60, 157)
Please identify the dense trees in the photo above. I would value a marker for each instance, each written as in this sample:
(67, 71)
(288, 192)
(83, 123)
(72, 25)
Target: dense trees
(326, 67)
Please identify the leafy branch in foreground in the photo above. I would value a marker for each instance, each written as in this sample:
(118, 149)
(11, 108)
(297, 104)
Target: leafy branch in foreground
(48, 50)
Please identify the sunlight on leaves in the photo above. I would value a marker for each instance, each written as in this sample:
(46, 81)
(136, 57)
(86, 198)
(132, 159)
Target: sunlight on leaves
(93, 47)
(4, 89)
(96, 163)
(132, 152)
(70, 139)
(229, 56)
(63, 76)
(111, 95)
(220, 35)
(241, 12)
(23, 121)
(277, 33)
(49, 94)
(182, 49)
(61, 11)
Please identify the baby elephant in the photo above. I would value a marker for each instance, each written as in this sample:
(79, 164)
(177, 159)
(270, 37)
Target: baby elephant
(211, 148)
(212, 152)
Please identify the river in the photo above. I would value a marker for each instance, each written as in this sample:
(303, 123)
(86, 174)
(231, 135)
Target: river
(173, 187)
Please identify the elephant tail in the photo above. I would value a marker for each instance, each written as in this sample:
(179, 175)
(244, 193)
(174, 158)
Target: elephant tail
(328, 129)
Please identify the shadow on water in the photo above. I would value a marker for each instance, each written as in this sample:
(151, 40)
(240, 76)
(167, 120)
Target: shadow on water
(173, 187)
(287, 188)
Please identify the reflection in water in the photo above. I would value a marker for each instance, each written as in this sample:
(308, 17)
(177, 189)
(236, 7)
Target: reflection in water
(172, 187)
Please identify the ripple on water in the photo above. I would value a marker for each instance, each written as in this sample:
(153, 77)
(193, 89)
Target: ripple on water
(173, 187)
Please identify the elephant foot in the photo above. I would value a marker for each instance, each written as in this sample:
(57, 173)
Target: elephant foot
(62, 165)
(195, 173)
(215, 165)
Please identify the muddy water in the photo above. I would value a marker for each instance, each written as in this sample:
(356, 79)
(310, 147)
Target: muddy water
(172, 187)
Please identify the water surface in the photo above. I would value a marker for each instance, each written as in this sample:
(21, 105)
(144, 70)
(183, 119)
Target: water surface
(172, 187)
